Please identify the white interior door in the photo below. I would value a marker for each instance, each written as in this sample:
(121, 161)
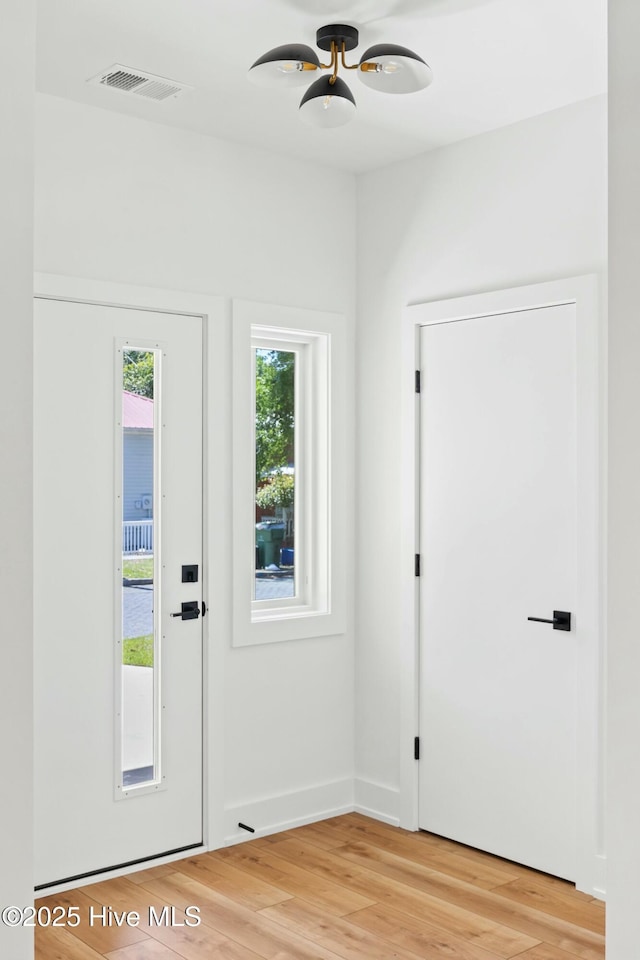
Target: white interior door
(498, 542)
(118, 512)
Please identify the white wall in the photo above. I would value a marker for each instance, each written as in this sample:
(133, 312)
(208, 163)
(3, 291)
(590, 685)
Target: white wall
(17, 52)
(119, 199)
(523, 204)
(623, 799)
(122, 200)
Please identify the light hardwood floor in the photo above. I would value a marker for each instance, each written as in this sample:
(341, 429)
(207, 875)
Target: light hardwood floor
(345, 888)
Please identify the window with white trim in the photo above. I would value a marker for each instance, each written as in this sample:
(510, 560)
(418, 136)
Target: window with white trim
(288, 512)
(280, 514)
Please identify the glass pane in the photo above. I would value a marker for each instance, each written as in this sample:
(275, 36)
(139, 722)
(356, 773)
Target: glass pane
(275, 545)
(138, 538)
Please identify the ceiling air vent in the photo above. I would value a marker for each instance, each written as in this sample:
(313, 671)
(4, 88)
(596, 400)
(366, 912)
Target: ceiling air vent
(128, 80)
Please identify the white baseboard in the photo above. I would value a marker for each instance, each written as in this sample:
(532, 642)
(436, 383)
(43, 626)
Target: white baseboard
(268, 815)
(599, 886)
(377, 801)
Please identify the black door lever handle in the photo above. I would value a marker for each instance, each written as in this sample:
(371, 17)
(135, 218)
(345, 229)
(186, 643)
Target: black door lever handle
(190, 611)
(561, 620)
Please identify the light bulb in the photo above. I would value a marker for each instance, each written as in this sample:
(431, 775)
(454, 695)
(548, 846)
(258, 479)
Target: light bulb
(388, 67)
(327, 104)
(393, 69)
(289, 66)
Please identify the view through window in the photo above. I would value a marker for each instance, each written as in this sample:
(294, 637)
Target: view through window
(275, 481)
(139, 641)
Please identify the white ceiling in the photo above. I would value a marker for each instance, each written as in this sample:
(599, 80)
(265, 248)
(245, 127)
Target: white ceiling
(495, 62)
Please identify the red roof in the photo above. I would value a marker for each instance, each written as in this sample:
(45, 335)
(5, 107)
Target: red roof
(137, 411)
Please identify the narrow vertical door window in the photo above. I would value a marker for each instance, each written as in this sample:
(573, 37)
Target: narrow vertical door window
(137, 545)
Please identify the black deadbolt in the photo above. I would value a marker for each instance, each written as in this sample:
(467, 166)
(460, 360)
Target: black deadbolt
(190, 573)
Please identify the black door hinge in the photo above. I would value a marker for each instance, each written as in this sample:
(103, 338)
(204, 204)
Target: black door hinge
(417, 564)
(417, 381)
(416, 748)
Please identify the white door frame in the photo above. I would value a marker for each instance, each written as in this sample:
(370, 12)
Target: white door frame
(216, 315)
(591, 426)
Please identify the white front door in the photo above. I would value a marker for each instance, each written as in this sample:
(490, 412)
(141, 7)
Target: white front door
(118, 551)
(498, 722)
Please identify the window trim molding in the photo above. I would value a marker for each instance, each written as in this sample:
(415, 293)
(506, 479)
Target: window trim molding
(323, 609)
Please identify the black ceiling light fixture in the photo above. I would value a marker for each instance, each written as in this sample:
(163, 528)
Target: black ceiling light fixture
(329, 102)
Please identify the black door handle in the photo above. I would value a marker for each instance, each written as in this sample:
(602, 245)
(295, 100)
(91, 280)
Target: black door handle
(561, 620)
(190, 611)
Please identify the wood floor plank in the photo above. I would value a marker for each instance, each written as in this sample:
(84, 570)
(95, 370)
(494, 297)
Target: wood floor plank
(546, 952)
(243, 887)
(194, 943)
(121, 894)
(555, 884)
(332, 897)
(239, 924)
(208, 949)
(200, 942)
(266, 841)
(340, 889)
(97, 935)
(151, 950)
(345, 939)
(314, 833)
(419, 936)
(229, 950)
(503, 940)
(414, 869)
(57, 943)
(410, 846)
(152, 873)
(538, 895)
(562, 928)
(365, 826)
(482, 903)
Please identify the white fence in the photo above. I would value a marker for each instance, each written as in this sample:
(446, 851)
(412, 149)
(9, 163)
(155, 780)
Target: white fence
(137, 536)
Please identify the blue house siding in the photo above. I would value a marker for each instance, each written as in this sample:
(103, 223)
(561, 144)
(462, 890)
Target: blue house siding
(137, 473)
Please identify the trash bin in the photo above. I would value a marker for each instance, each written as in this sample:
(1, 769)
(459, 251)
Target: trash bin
(269, 536)
(286, 556)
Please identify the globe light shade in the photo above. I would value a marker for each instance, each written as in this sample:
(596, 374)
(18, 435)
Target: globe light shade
(393, 69)
(291, 65)
(327, 104)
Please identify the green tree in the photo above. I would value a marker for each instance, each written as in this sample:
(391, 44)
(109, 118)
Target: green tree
(137, 372)
(275, 414)
(277, 491)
